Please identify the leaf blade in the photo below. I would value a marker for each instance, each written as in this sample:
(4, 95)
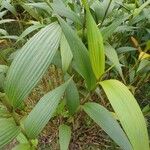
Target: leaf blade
(8, 131)
(113, 57)
(95, 45)
(64, 136)
(66, 54)
(106, 121)
(80, 54)
(31, 62)
(72, 96)
(132, 120)
(60, 8)
(43, 111)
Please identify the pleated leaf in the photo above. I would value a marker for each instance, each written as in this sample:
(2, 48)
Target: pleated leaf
(43, 111)
(8, 131)
(80, 54)
(113, 57)
(95, 45)
(72, 97)
(106, 121)
(22, 139)
(66, 54)
(6, 4)
(64, 136)
(31, 10)
(128, 112)
(31, 62)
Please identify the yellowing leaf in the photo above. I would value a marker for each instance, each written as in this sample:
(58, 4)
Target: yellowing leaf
(3, 42)
(144, 55)
(128, 112)
(136, 44)
(95, 45)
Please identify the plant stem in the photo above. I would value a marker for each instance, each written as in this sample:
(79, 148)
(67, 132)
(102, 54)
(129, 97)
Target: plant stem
(84, 25)
(86, 97)
(106, 13)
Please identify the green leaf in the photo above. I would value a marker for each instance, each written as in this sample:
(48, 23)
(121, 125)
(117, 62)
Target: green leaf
(100, 8)
(31, 63)
(113, 57)
(144, 66)
(41, 5)
(43, 111)
(22, 139)
(72, 96)
(4, 112)
(60, 8)
(3, 71)
(126, 28)
(3, 68)
(8, 131)
(3, 32)
(3, 13)
(80, 55)
(128, 112)
(106, 121)
(66, 54)
(95, 45)
(22, 147)
(64, 136)
(30, 30)
(13, 37)
(6, 4)
(32, 11)
(109, 30)
(6, 21)
(125, 49)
